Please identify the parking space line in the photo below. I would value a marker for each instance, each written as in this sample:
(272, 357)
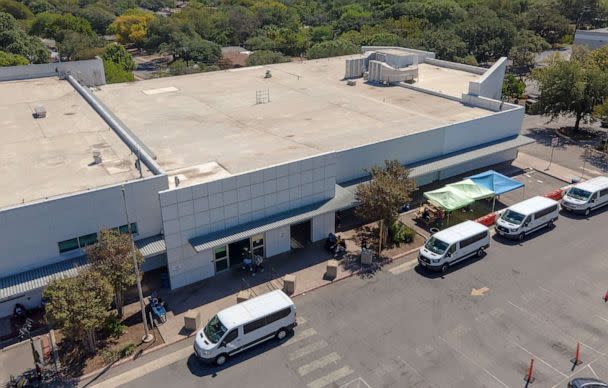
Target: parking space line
(301, 335)
(331, 378)
(473, 362)
(595, 350)
(307, 350)
(301, 320)
(592, 371)
(319, 363)
(602, 318)
(540, 359)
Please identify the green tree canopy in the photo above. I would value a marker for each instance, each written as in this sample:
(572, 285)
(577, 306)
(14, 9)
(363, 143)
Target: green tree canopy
(332, 48)
(79, 305)
(512, 87)
(8, 59)
(18, 10)
(98, 15)
(55, 26)
(265, 57)
(119, 55)
(14, 40)
(76, 46)
(112, 258)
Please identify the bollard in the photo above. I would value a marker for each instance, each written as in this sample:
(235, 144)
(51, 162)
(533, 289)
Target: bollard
(528, 378)
(577, 356)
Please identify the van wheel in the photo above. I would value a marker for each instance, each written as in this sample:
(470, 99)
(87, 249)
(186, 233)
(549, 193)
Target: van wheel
(521, 236)
(550, 224)
(480, 252)
(221, 359)
(281, 334)
(587, 211)
(444, 268)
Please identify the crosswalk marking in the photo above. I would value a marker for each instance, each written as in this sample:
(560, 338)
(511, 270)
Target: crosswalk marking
(303, 351)
(302, 335)
(331, 378)
(319, 363)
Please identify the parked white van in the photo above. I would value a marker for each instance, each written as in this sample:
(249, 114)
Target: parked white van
(527, 216)
(454, 244)
(586, 196)
(242, 326)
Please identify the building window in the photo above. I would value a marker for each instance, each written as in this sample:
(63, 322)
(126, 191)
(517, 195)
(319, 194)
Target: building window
(68, 245)
(125, 228)
(88, 239)
(257, 244)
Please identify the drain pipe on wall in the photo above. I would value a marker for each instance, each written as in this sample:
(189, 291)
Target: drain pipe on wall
(134, 144)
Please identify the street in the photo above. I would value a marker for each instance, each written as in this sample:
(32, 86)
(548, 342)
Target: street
(405, 327)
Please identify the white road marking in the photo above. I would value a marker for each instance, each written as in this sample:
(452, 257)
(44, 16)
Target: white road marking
(319, 363)
(301, 320)
(357, 380)
(307, 350)
(473, 362)
(539, 359)
(301, 335)
(151, 366)
(331, 378)
(592, 371)
(602, 318)
(595, 350)
(401, 268)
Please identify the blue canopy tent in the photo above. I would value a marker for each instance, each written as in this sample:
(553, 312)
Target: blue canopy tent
(496, 182)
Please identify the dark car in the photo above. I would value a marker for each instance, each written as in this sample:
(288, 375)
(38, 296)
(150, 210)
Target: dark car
(586, 382)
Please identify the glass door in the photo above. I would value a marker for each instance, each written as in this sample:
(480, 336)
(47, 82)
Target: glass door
(257, 245)
(220, 258)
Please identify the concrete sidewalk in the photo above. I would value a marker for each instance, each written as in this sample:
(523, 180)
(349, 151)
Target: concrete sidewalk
(565, 174)
(214, 294)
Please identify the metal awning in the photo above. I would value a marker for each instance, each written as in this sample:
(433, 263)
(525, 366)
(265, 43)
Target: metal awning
(21, 283)
(151, 246)
(454, 159)
(343, 199)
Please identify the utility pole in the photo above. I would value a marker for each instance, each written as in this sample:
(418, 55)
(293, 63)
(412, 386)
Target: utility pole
(26, 332)
(148, 337)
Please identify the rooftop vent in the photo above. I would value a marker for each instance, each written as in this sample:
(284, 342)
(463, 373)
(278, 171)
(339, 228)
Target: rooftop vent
(176, 179)
(39, 112)
(97, 157)
(351, 82)
(268, 74)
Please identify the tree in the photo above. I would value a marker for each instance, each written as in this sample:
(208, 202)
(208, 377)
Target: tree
(131, 27)
(99, 16)
(8, 59)
(115, 73)
(353, 17)
(332, 48)
(513, 87)
(445, 43)
(389, 189)
(56, 26)
(570, 88)
(265, 57)
(79, 305)
(76, 46)
(14, 40)
(545, 20)
(112, 258)
(487, 36)
(120, 56)
(18, 10)
(525, 46)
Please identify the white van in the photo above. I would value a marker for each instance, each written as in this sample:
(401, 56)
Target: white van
(232, 330)
(527, 216)
(586, 196)
(454, 244)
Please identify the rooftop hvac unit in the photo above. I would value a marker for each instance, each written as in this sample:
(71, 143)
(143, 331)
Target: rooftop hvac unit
(39, 112)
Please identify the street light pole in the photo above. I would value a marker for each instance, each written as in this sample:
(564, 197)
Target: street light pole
(148, 337)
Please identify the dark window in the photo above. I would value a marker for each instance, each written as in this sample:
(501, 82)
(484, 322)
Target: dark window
(544, 212)
(248, 328)
(278, 315)
(125, 228)
(473, 239)
(231, 336)
(88, 239)
(68, 245)
(603, 192)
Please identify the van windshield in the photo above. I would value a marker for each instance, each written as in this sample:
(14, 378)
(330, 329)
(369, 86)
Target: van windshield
(513, 217)
(579, 194)
(215, 330)
(436, 246)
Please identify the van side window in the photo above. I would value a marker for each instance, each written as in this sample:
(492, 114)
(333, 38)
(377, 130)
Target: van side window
(231, 336)
(278, 315)
(452, 249)
(473, 239)
(603, 192)
(251, 326)
(544, 212)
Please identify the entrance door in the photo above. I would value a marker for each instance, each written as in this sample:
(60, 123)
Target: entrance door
(238, 251)
(220, 258)
(300, 234)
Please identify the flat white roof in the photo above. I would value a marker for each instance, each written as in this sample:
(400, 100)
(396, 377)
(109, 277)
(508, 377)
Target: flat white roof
(254, 308)
(593, 184)
(532, 205)
(51, 156)
(459, 231)
(211, 121)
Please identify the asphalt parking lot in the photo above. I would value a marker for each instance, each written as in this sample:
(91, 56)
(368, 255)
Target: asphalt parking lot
(405, 327)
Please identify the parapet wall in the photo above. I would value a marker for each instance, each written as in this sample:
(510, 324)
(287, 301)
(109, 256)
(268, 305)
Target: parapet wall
(490, 83)
(455, 66)
(89, 72)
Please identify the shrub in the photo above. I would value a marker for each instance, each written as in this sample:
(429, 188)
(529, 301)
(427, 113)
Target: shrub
(114, 327)
(332, 48)
(265, 57)
(400, 232)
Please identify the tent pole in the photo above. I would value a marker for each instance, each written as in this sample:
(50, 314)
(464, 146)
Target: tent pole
(493, 203)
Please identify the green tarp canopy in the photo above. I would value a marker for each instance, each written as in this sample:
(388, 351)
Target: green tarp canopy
(470, 189)
(448, 198)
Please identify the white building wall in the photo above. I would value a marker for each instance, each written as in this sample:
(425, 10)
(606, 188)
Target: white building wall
(500, 157)
(489, 85)
(323, 225)
(429, 144)
(214, 206)
(278, 241)
(29, 233)
(88, 72)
